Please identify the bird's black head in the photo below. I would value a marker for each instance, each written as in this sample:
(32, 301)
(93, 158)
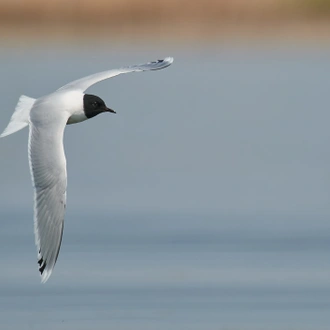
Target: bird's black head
(93, 105)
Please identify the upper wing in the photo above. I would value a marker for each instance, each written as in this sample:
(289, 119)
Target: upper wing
(84, 83)
(48, 170)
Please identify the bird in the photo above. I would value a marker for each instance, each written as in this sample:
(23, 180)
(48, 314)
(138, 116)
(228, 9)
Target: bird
(47, 117)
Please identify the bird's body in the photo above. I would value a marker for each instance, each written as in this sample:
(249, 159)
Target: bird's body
(47, 117)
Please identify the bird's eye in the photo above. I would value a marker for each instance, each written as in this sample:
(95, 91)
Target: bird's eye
(95, 104)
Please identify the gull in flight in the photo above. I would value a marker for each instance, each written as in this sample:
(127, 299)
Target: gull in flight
(47, 117)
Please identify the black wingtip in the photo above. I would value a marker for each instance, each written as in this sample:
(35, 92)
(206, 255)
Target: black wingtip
(42, 265)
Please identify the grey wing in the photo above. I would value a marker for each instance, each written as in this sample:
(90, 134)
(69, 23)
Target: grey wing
(48, 171)
(84, 83)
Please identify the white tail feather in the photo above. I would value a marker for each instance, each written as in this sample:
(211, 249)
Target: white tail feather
(20, 117)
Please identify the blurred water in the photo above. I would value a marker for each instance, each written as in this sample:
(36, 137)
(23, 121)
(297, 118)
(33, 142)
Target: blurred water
(203, 204)
(169, 271)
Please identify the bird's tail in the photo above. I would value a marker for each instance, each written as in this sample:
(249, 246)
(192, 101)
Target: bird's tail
(20, 117)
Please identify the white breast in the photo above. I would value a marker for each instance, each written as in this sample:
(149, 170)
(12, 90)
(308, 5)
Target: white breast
(59, 104)
(76, 118)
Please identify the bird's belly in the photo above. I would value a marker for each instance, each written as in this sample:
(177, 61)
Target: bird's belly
(76, 118)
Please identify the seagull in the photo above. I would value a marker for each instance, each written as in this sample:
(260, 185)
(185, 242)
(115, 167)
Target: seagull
(47, 117)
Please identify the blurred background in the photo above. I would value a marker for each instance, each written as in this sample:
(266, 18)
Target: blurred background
(177, 22)
(204, 202)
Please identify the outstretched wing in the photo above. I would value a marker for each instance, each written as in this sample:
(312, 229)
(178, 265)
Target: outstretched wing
(84, 83)
(48, 171)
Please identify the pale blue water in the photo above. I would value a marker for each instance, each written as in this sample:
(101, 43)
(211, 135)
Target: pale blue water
(169, 271)
(203, 204)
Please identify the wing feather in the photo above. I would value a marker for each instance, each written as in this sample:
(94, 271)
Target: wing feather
(48, 171)
(84, 83)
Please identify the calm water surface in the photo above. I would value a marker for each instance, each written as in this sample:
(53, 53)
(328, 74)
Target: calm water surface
(203, 204)
(169, 271)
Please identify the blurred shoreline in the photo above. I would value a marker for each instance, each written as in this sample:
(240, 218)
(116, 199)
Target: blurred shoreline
(181, 35)
(181, 22)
